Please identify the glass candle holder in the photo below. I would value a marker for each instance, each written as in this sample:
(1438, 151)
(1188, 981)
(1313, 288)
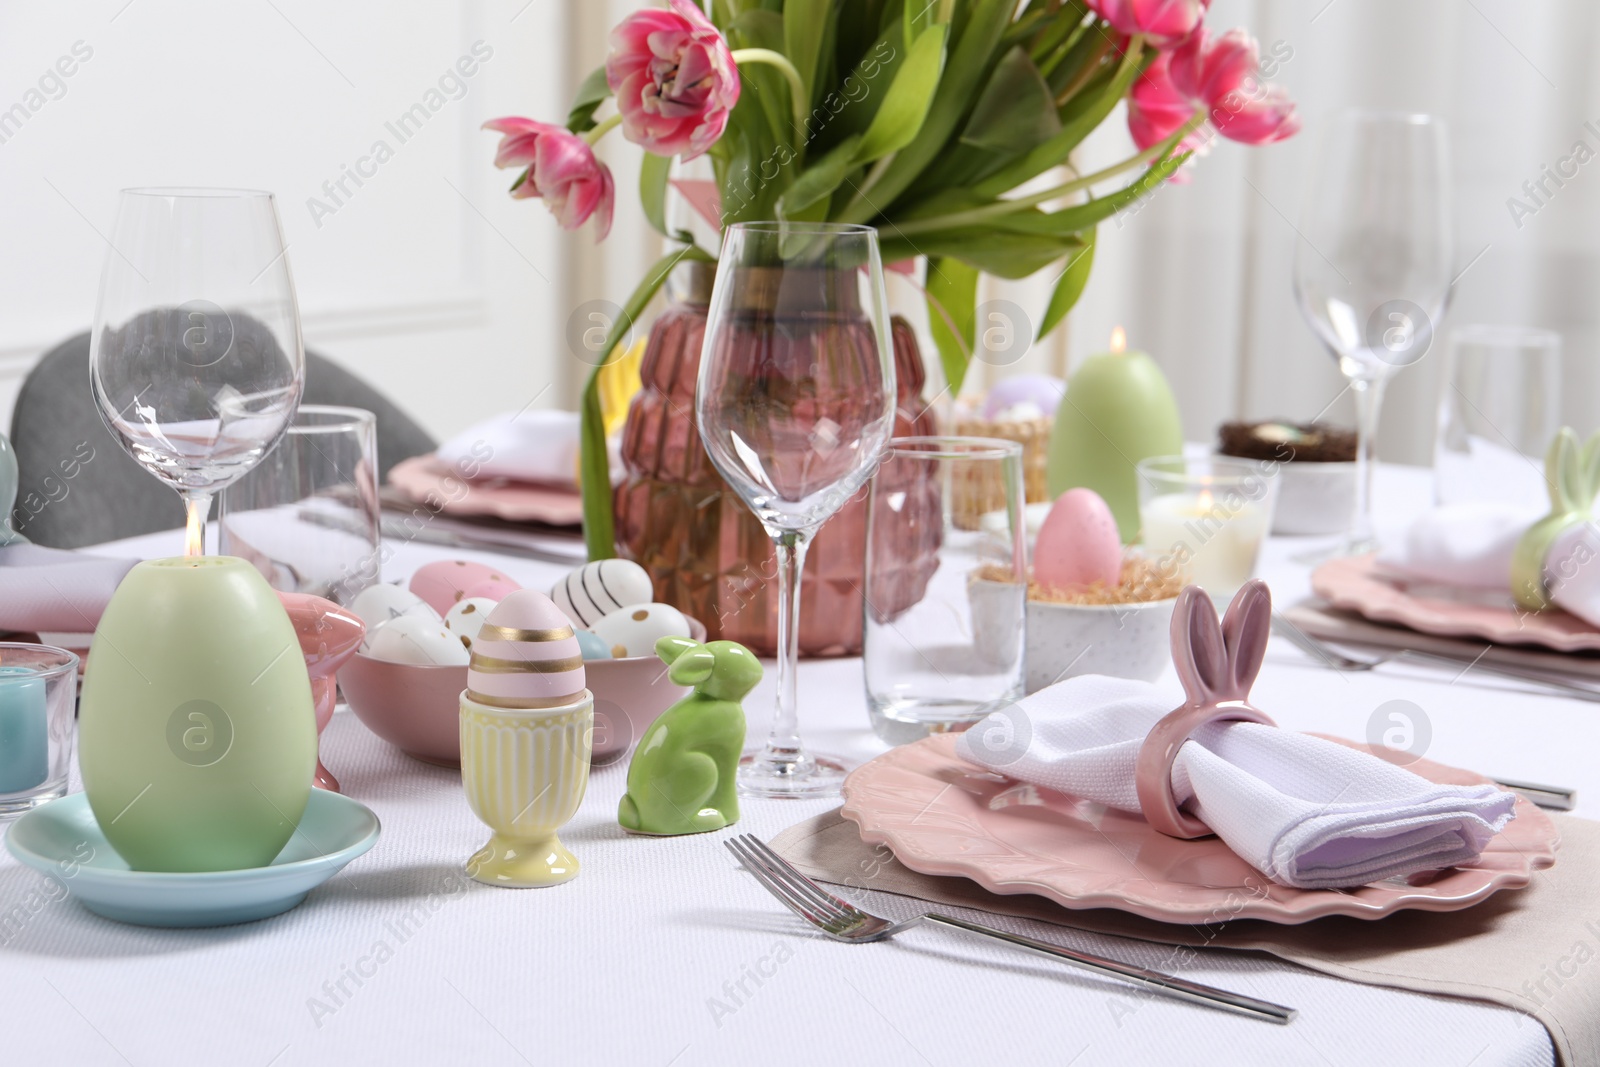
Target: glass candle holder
(38, 691)
(307, 517)
(1499, 409)
(945, 607)
(1206, 518)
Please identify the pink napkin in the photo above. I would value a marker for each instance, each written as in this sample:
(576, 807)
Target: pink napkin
(52, 589)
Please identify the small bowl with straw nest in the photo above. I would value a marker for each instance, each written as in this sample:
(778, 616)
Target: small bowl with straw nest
(1122, 630)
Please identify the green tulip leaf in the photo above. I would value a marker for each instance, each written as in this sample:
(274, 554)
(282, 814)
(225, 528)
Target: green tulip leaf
(1005, 255)
(1069, 287)
(592, 92)
(654, 171)
(819, 179)
(952, 294)
(905, 104)
(1054, 151)
(984, 26)
(594, 465)
(806, 25)
(1016, 110)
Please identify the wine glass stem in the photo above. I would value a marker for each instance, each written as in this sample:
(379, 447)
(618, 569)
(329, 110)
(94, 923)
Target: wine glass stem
(194, 538)
(1369, 400)
(783, 743)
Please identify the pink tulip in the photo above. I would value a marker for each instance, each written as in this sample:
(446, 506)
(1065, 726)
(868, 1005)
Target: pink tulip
(1223, 73)
(1164, 22)
(1156, 108)
(674, 79)
(562, 170)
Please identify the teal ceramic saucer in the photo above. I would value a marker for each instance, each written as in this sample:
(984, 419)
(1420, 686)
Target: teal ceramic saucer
(61, 839)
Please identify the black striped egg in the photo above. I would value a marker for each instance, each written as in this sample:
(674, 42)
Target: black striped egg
(597, 589)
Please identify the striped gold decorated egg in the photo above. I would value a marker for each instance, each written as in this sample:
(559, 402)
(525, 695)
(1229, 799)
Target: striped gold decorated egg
(598, 588)
(525, 655)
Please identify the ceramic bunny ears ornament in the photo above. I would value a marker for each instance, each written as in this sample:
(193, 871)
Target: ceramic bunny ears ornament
(1572, 474)
(1217, 663)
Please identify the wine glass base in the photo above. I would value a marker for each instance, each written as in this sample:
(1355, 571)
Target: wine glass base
(761, 774)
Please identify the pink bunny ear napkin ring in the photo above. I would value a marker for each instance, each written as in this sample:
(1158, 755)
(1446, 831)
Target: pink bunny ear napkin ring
(1217, 664)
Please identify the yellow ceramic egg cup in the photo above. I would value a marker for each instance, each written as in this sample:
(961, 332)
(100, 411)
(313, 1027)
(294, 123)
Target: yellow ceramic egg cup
(525, 771)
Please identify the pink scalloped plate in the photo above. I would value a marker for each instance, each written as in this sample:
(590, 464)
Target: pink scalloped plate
(1360, 585)
(940, 814)
(424, 478)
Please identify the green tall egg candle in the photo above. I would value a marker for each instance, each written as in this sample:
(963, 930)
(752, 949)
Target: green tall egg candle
(1118, 409)
(196, 734)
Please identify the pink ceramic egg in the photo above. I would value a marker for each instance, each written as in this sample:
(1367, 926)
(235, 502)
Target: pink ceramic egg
(1078, 544)
(443, 583)
(526, 655)
(496, 589)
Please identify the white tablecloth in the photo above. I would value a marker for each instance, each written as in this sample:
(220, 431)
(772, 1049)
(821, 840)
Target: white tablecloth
(664, 952)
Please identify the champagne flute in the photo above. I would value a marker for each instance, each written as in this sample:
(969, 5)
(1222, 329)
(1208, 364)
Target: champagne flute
(795, 402)
(196, 359)
(1373, 265)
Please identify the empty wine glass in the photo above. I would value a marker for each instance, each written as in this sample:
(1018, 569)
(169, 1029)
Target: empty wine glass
(1373, 265)
(795, 403)
(196, 359)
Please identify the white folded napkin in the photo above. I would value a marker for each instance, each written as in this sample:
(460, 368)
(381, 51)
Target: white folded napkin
(1471, 545)
(1304, 811)
(52, 589)
(529, 446)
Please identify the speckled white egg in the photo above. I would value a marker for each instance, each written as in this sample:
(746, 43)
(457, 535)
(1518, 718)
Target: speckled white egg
(378, 604)
(597, 589)
(410, 639)
(634, 630)
(466, 618)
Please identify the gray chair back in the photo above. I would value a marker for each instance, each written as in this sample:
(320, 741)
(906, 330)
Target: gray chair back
(77, 486)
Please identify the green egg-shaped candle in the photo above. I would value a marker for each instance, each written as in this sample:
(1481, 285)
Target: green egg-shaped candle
(1118, 409)
(197, 738)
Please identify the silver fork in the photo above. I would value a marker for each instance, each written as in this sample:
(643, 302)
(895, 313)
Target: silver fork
(1342, 662)
(843, 921)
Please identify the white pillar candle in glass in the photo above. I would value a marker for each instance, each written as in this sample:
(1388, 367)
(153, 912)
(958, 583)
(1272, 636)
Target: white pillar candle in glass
(1205, 519)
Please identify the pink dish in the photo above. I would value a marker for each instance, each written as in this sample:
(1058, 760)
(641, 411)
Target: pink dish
(942, 815)
(417, 707)
(425, 479)
(329, 635)
(414, 706)
(1360, 585)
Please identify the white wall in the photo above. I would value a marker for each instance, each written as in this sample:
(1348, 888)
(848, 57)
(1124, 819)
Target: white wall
(427, 280)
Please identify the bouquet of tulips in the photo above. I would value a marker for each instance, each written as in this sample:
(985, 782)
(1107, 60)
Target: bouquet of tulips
(919, 117)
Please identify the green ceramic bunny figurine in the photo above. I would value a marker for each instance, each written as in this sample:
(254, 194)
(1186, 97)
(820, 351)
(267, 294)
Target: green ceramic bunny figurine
(1572, 474)
(682, 778)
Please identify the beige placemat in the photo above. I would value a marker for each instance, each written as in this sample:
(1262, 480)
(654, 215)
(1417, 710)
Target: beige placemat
(1535, 950)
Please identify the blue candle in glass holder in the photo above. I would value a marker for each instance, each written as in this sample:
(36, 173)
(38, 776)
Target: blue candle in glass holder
(24, 730)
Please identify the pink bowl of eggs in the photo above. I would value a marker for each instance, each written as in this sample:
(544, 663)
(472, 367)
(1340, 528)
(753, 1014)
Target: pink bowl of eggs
(1092, 607)
(405, 682)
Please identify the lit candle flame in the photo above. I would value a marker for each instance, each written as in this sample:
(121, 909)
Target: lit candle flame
(1119, 339)
(1203, 502)
(194, 534)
